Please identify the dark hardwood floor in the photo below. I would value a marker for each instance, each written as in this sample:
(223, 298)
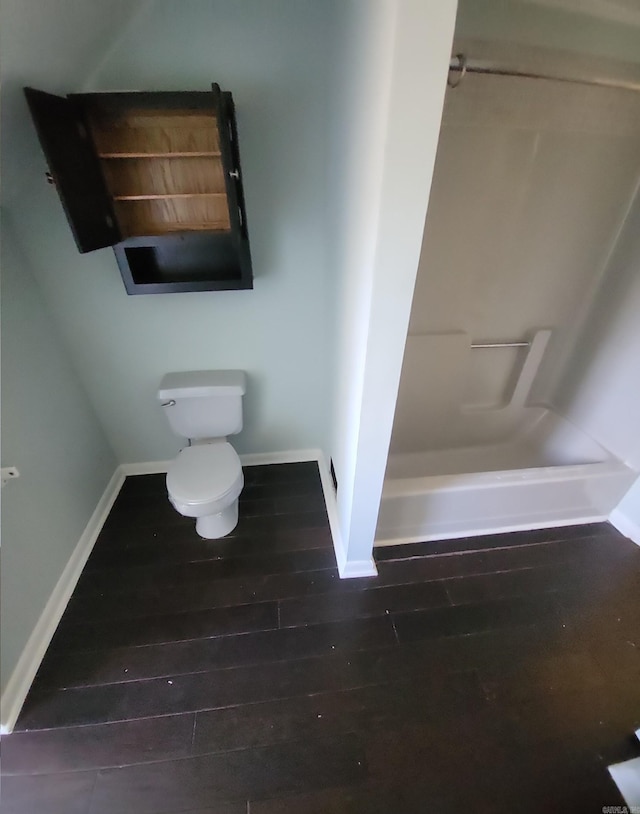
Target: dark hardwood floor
(493, 674)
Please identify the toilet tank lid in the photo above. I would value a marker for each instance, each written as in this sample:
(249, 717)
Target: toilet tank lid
(193, 383)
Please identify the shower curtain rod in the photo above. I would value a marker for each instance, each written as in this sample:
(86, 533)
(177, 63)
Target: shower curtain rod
(460, 64)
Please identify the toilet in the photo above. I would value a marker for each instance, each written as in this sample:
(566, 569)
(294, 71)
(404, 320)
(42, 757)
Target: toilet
(205, 479)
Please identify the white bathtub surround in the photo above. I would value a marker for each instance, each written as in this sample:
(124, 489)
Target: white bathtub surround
(533, 190)
(548, 474)
(458, 392)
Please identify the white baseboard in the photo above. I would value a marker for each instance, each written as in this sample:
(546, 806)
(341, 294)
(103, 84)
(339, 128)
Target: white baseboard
(625, 525)
(145, 468)
(627, 778)
(294, 456)
(25, 670)
(347, 569)
(352, 569)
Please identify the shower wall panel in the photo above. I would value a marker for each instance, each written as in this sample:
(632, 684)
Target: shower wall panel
(533, 182)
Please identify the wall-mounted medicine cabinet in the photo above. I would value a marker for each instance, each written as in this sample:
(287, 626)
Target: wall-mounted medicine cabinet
(155, 175)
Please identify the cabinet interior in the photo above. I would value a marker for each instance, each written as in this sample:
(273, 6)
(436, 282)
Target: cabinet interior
(163, 169)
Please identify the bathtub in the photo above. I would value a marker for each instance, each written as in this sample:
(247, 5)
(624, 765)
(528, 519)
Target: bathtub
(548, 473)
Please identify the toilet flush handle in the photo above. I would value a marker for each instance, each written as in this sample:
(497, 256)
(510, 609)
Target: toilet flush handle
(170, 403)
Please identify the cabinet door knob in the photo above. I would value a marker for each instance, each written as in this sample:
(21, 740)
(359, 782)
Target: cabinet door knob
(234, 174)
(50, 178)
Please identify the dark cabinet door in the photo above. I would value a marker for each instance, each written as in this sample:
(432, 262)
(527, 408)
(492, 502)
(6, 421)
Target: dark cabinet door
(70, 153)
(230, 151)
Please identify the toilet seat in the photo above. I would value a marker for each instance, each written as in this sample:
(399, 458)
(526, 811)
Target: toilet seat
(204, 478)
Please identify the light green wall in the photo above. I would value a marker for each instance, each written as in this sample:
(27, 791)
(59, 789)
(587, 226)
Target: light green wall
(51, 433)
(276, 58)
(49, 428)
(60, 42)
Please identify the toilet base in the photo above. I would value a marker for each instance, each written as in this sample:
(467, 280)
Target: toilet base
(212, 526)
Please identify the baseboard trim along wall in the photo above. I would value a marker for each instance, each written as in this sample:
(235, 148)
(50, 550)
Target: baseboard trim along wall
(347, 569)
(25, 670)
(22, 677)
(627, 778)
(294, 456)
(145, 468)
(625, 525)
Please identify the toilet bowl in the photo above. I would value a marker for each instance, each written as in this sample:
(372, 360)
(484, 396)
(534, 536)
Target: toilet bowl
(205, 481)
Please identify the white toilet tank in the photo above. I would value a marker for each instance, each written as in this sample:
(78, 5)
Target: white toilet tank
(203, 403)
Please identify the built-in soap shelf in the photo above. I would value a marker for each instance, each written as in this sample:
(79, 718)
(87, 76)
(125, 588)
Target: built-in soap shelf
(522, 375)
(458, 390)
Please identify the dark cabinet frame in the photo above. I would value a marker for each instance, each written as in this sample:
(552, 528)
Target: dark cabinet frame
(203, 257)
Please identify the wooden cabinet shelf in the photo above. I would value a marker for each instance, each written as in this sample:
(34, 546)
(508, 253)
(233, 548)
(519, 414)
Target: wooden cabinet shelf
(156, 176)
(169, 195)
(202, 154)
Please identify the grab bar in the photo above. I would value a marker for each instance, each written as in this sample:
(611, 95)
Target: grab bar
(500, 344)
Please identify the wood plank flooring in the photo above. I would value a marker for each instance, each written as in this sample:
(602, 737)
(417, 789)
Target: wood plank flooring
(493, 674)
